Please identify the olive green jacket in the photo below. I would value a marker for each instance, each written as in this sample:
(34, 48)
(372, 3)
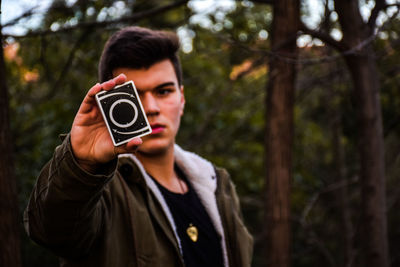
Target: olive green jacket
(118, 217)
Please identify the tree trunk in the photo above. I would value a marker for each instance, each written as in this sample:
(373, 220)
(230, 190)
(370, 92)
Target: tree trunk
(362, 66)
(279, 130)
(339, 165)
(371, 151)
(342, 194)
(9, 219)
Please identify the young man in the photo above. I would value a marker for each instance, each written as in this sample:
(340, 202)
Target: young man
(145, 203)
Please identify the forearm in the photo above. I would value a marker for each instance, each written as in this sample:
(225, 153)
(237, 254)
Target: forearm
(66, 211)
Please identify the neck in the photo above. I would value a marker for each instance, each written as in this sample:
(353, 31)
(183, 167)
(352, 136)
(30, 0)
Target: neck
(161, 168)
(160, 165)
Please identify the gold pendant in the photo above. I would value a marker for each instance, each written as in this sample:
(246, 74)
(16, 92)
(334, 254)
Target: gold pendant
(192, 232)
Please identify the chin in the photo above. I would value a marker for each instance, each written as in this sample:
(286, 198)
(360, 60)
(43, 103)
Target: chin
(153, 147)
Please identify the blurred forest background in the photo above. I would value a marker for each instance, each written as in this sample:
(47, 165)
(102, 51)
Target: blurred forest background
(299, 101)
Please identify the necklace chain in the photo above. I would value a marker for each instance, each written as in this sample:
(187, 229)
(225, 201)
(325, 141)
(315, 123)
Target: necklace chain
(180, 184)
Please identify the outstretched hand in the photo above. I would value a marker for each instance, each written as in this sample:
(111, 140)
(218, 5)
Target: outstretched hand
(90, 140)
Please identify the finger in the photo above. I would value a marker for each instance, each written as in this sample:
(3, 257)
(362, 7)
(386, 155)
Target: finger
(94, 90)
(113, 82)
(134, 143)
(120, 79)
(89, 99)
(108, 85)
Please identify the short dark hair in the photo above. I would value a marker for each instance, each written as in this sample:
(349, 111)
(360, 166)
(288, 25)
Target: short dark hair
(137, 48)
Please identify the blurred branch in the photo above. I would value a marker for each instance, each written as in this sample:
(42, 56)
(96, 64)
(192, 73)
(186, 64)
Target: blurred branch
(390, 19)
(380, 5)
(252, 201)
(269, 2)
(198, 139)
(326, 21)
(313, 236)
(14, 21)
(68, 64)
(48, 73)
(329, 188)
(327, 39)
(264, 52)
(310, 83)
(99, 24)
(314, 239)
(324, 37)
(43, 60)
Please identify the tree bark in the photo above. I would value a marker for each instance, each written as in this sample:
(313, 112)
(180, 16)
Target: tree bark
(342, 194)
(9, 219)
(279, 130)
(363, 69)
(338, 171)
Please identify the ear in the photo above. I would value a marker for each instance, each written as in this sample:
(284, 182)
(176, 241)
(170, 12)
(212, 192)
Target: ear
(182, 99)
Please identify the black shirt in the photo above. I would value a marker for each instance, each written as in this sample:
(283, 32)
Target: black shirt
(189, 215)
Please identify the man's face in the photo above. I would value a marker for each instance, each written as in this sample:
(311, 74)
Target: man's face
(163, 101)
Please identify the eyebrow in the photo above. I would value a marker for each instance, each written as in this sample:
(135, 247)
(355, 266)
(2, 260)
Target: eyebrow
(159, 86)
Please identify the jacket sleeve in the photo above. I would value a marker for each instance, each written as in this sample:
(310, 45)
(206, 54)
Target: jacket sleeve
(238, 239)
(66, 209)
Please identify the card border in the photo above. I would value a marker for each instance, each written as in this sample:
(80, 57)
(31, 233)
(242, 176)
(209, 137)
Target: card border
(147, 128)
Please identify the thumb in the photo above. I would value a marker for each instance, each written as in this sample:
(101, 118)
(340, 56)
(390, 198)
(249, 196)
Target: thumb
(129, 147)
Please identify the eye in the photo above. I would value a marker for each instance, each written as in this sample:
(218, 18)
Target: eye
(164, 91)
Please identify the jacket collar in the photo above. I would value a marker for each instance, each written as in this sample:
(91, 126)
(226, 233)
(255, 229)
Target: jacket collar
(202, 176)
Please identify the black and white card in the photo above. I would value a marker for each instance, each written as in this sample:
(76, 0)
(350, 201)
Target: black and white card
(123, 113)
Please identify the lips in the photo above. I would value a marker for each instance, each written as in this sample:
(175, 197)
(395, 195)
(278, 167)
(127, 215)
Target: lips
(157, 128)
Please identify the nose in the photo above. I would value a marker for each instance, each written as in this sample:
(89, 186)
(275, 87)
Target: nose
(150, 104)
